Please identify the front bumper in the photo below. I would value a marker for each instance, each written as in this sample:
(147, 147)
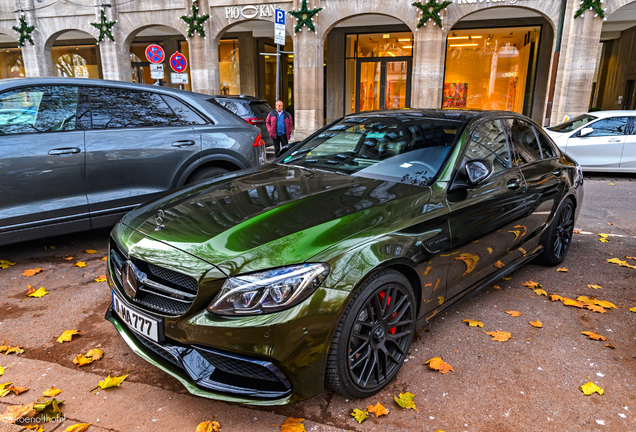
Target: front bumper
(200, 370)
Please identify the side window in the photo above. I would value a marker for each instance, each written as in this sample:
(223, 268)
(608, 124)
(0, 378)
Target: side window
(547, 147)
(489, 142)
(114, 108)
(183, 113)
(228, 105)
(611, 126)
(524, 141)
(38, 109)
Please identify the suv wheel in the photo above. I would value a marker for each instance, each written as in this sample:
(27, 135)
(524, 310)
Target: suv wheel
(205, 173)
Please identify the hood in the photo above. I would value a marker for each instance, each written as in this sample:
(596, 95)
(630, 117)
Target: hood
(275, 215)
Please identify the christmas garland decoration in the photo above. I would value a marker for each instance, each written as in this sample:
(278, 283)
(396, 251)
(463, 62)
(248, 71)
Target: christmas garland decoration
(431, 11)
(195, 22)
(591, 5)
(25, 31)
(104, 27)
(304, 17)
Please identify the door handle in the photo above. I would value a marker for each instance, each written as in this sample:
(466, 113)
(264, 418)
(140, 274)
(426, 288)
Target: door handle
(514, 183)
(615, 140)
(186, 143)
(64, 151)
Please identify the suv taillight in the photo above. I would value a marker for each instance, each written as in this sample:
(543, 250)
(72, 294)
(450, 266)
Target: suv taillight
(255, 121)
(259, 141)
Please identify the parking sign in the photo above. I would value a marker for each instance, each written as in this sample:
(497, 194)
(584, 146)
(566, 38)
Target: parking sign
(279, 27)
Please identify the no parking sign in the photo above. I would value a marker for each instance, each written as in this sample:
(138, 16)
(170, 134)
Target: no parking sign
(155, 54)
(178, 62)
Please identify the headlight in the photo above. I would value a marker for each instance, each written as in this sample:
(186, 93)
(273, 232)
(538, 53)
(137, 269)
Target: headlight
(268, 291)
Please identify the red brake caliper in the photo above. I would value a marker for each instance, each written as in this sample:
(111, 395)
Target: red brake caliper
(381, 295)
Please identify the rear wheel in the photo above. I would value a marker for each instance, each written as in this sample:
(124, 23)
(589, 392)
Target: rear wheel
(373, 337)
(559, 235)
(206, 173)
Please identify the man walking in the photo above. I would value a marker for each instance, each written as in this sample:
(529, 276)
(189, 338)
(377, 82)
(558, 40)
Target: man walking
(279, 126)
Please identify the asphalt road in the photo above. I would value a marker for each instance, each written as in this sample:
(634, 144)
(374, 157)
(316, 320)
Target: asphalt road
(529, 383)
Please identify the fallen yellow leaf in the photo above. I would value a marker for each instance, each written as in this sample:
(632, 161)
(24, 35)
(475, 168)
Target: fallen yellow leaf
(594, 336)
(105, 259)
(34, 427)
(620, 263)
(584, 299)
(90, 251)
(603, 240)
(101, 279)
(109, 382)
(496, 287)
(537, 324)
(52, 392)
(513, 313)
(603, 235)
(440, 300)
(595, 308)
(594, 286)
(80, 264)
(590, 388)
(610, 346)
(377, 409)
(3, 389)
(405, 400)
(6, 349)
(80, 360)
(32, 272)
(6, 264)
(359, 415)
(499, 336)
(16, 412)
(68, 258)
(292, 425)
(532, 285)
(562, 269)
(17, 389)
(472, 323)
(40, 292)
(633, 309)
(570, 302)
(470, 260)
(67, 336)
(1, 371)
(437, 363)
(556, 297)
(95, 354)
(500, 265)
(604, 304)
(539, 291)
(79, 427)
(208, 426)
(490, 250)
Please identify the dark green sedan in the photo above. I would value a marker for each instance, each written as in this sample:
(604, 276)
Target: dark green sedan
(267, 285)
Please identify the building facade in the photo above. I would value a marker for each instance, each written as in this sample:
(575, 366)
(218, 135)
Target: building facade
(530, 56)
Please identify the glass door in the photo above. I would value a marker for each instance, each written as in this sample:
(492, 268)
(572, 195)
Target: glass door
(383, 84)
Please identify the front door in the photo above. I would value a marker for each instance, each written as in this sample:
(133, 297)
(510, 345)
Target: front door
(603, 147)
(383, 84)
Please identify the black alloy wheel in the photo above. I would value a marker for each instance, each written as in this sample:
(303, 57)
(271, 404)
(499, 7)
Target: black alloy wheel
(376, 334)
(558, 236)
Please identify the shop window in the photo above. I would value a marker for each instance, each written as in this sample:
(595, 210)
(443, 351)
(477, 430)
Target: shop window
(12, 63)
(229, 71)
(491, 69)
(79, 61)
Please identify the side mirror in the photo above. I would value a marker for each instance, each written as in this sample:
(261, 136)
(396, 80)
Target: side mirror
(477, 170)
(585, 132)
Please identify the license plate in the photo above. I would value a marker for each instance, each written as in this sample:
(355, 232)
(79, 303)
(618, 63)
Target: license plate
(145, 325)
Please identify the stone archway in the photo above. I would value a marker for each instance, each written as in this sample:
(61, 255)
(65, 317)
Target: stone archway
(73, 53)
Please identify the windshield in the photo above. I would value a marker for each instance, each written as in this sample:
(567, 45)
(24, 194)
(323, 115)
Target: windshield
(400, 148)
(573, 123)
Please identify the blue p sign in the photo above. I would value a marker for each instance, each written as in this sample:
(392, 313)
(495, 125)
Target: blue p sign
(280, 16)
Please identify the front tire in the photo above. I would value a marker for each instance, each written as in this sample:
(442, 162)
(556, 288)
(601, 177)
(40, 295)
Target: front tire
(559, 235)
(373, 337)
(205, 173)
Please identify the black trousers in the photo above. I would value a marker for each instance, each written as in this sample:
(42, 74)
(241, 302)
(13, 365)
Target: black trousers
(279, 142)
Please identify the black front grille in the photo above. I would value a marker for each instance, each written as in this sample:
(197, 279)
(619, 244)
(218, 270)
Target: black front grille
(159, 351)
(179, 292)
(238, 367)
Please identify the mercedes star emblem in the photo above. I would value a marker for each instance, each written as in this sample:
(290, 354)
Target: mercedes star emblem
(129, 278)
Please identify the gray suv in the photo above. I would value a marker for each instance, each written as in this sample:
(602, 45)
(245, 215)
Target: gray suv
(77, 154)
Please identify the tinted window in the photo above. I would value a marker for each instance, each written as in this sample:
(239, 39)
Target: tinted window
(573, 123)
(240, 108)
(524, 141)
(611, 126)
(38, 109)
(489, 142)
(185, 115)
(396, 148)
(261, 109)
(547, 147)
(119, 108)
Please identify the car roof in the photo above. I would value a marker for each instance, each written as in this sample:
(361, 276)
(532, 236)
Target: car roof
(443, 114)
(613, 113)
(239, 97)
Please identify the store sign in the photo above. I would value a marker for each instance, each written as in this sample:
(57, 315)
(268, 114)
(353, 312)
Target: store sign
(250, 11)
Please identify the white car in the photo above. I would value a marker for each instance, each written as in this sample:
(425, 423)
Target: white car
(599, 141)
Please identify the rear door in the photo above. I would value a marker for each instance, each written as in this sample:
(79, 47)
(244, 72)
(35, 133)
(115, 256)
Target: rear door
(543, 176)
(603, 147)
(41, 158)
(138, 144)
(628, 158)
(486, 221)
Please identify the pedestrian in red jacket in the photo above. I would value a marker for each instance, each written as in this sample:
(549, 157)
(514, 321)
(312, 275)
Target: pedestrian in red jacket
(279, 125)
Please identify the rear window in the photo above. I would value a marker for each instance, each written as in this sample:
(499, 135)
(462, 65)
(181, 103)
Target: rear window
(238, 107)
(261, 109)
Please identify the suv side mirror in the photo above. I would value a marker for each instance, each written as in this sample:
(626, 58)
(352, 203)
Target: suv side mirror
(477, 170)
(585, 132)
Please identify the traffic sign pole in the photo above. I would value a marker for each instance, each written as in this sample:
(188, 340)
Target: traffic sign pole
(279, 30)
